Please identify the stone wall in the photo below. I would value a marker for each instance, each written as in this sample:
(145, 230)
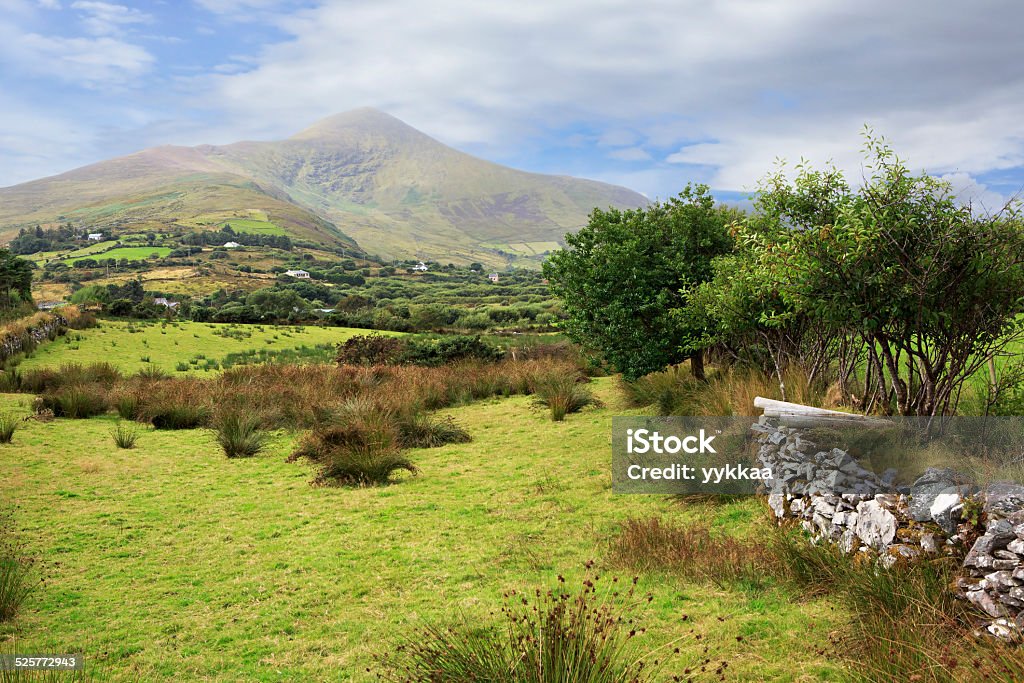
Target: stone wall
(24, 335)
(837, 500)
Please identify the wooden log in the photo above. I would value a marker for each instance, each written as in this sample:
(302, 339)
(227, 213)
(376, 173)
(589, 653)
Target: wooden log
(797, 414)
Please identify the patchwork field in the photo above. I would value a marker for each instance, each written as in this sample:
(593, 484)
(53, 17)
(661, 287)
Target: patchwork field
(171, 562)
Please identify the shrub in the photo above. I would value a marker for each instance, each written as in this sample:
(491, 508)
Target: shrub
(182, 366)
(444, 350)
(124, 436)
(369, 349)
(239, 435)
(360, 449)
(555, 636)
(151, 372)
(420, 430)
(563, 393)
(79, 401)
(8, 423)
(180, 416)
(128, 405)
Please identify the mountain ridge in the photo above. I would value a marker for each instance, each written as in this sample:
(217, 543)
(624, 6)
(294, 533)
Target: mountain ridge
(361, 175)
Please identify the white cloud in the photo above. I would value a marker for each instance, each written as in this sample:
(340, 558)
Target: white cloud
(747, 81)
(104, 18)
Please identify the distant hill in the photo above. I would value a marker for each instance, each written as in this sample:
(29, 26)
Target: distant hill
(362, 176)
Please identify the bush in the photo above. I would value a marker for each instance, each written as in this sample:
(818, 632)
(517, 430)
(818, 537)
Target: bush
(180, 416)
(564, 393)
(420, 430)
(553, 637)
(124, 436)
(8, 423)
(239, 435)
(369, 349)
(128, 405)
(360, 449)
(445, 350)
(79, 401)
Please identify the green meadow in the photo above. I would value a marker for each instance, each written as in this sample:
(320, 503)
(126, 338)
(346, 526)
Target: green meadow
(171, 562)
(130, 253)
(134, 345)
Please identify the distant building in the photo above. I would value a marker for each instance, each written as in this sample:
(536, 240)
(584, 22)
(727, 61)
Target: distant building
(300, 274)
(164, 301)
(232, 245)
(493, 277)
(421, 266)
(95, 236)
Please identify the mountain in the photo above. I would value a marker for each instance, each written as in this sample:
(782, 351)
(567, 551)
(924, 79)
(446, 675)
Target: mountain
(361, 175)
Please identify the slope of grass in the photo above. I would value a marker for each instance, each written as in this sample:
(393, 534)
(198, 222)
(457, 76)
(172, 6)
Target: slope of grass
(126, 344)
(130, 253)
(171, 562)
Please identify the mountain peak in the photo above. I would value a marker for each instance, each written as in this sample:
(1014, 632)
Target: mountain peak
(364, 120)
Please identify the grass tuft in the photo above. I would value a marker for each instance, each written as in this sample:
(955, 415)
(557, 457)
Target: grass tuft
(239, 435)
(124, 436)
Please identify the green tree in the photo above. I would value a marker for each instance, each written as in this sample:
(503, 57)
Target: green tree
(15, 279)
(921, 290)
(625, 278)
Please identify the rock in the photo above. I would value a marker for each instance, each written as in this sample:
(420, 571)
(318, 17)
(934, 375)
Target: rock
(1003, 498)
(986, 603)
(777, 503)
(945, 511)
(875, 526)
(1002, 578)
(848, 541)
(929, 544)
(776, 437)
(1005, 564)
(1005, 555)
(1016, 546)
(888, 477)
(1004, 629)
(923, 491)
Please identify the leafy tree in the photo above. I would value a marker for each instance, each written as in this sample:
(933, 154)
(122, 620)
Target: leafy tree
(918, 290)
(626, 277)
(15, 279)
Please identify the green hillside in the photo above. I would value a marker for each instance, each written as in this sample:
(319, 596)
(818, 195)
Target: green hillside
(360, 177)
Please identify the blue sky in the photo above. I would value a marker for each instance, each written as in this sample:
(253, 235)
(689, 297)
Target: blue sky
(649, 94)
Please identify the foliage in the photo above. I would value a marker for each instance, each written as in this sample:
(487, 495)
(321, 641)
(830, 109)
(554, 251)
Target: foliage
(15, 279)
(625, 280)
(369, 349)
(434, 352)
(895, 278)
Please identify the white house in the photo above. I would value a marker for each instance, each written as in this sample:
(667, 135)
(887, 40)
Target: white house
(421, 266)
(493, 277)
(95, 236)
(300, 274)
(232, 245)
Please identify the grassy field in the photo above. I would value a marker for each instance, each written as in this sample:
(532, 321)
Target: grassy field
(171, 562)
(130, 253)
(126, 344)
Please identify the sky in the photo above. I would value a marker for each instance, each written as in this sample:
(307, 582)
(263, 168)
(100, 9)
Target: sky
(650, 94)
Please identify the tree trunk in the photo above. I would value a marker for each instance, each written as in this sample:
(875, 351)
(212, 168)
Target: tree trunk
(697, 366)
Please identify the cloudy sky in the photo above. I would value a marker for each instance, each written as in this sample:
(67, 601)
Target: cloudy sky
(646, 93)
